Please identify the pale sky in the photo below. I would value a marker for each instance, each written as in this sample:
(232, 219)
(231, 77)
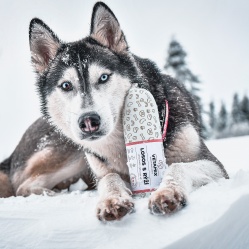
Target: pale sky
(214, 33)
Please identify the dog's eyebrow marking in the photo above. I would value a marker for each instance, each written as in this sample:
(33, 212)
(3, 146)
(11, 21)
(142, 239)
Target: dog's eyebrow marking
(81, 73)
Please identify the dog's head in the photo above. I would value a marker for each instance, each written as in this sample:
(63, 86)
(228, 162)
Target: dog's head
(83, 84)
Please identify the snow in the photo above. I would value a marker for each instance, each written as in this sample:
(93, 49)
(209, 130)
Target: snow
(79, 185)
(217, 215)
(236, 235)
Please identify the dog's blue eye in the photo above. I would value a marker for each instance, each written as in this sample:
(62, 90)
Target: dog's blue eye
(103, 78)
(66, 86)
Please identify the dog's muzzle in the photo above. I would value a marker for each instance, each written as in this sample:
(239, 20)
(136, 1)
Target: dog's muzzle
(89, 123)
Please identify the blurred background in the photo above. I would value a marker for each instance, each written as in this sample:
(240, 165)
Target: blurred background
(202, 43)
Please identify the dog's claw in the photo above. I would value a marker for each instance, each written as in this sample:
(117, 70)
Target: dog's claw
(167, 200)
(114, 208)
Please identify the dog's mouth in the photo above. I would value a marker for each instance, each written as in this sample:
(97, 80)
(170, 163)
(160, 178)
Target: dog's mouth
(92, 136)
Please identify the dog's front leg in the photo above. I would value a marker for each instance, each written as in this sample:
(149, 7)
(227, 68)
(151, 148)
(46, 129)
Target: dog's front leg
(179, 180)
(115, 198)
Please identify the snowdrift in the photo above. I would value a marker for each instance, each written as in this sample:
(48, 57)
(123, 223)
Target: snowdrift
(217, 215)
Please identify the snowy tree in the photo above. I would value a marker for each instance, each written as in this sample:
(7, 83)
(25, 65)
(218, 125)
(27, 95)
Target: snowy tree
(176, 65)
(222, 118)
(212, 117)
(236, 113)
(235, 123)
(176, 60)
(244, 109)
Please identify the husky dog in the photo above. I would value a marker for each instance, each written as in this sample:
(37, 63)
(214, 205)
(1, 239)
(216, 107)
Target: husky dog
(82, 87)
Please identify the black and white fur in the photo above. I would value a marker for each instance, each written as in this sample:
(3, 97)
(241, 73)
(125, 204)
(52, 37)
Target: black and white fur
(52, 152)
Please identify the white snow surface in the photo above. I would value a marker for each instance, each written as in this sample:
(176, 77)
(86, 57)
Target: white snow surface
(217, 215)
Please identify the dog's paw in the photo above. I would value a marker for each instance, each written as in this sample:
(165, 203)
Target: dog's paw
(22, 191)
(167, 200)
(114, 208)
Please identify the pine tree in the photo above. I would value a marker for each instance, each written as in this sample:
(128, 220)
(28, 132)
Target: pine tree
(176, 65)
(212, 117)
(244, 109)
(236, 112)
(222, 119)
(176, 60)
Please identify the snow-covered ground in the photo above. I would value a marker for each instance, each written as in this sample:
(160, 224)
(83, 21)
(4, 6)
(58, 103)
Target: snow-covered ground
(217, 216)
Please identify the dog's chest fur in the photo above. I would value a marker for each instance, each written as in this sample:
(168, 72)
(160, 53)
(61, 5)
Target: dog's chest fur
(109, 154)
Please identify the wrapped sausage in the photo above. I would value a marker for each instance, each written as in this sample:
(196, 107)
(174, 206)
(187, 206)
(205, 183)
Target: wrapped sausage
(143, 140)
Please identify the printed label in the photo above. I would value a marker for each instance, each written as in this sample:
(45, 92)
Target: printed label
(147, 164)
(143, 138)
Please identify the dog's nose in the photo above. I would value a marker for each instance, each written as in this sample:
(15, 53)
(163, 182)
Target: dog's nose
(89, 122)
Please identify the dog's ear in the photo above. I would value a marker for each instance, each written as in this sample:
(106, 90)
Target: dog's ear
(44, 44)
(106, 30)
